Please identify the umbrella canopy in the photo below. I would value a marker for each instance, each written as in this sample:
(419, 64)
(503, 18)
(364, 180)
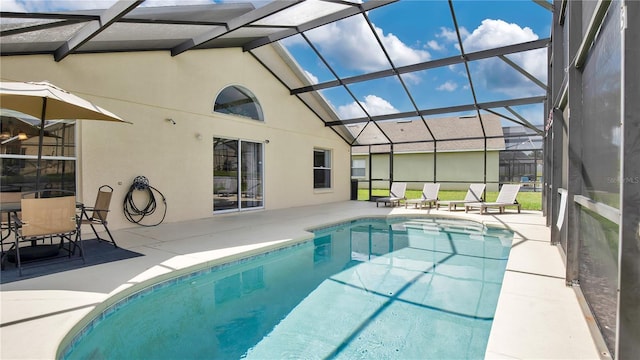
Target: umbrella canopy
(46, 101)
(49, 102)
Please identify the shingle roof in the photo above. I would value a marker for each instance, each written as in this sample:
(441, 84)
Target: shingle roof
(453, 134)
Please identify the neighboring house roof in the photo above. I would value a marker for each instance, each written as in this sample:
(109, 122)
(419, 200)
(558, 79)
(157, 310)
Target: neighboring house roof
(453, 134)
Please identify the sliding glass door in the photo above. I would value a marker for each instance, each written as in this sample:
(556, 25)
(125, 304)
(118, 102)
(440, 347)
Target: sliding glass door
(237, 175)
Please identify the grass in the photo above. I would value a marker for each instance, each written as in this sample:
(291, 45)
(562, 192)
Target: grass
(530, 200)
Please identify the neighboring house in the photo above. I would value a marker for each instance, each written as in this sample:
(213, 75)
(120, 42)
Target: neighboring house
(454, 163)
(201, 160)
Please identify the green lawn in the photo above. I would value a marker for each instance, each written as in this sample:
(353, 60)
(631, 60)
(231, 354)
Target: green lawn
(530, 200)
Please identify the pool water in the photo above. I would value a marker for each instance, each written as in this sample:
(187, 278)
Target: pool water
(372, 288)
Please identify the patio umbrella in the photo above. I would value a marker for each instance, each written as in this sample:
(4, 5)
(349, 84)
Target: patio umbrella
(46, 101)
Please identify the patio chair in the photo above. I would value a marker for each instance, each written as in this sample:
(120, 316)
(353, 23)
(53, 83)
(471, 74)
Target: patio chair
(7, 200)
(99, 213)
(429, 196)
(474, 194)
(506, 197)
(396, 194)
(45, 218)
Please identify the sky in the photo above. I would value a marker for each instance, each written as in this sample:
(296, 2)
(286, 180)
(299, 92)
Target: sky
(418, 31)
(412, 31)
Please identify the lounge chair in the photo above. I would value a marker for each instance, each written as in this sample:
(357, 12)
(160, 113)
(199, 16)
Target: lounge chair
(429, 196)
(506, 197)
(474, 194)
(395, 195)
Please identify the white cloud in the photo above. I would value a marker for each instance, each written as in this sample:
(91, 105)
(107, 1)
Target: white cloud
(447, 34)
(496, 33)
(448, 86)
(494, 73)
(374, 105)
(434, 45)
(312, 78)
(12, 5)
(450, 35)
(351, 44)
(57, 5)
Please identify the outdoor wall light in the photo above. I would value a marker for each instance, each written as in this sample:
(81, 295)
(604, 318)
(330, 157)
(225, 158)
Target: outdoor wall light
(171, 121)
(5, 135)
(22, 136)
(266, 141)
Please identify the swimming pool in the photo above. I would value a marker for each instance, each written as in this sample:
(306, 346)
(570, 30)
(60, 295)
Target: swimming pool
(370, 288)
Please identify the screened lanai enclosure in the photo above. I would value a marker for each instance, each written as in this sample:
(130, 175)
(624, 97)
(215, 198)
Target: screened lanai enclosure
(379, 84)
(539, 93)
(592, 158)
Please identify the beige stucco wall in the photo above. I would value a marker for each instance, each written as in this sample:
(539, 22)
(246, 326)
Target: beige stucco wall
(461, 167)
(146, 88)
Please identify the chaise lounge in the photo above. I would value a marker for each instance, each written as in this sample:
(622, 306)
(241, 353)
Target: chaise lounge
(506, 197)
(474, 194)
(396, 194)
(429, 196)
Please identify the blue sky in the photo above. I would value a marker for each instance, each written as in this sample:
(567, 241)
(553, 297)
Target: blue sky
(413, 31)
(416, 31)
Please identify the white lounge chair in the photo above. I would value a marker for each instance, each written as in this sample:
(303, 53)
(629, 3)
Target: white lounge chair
(429, 196)
(506, 197)
(474, 194)
(395, 195)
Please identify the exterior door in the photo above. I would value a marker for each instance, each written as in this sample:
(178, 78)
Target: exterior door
(237, 175)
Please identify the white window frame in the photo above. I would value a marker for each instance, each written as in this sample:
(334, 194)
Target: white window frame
(328, 156)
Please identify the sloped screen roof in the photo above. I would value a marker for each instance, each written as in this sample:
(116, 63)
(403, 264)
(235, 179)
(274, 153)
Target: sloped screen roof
(443, 70)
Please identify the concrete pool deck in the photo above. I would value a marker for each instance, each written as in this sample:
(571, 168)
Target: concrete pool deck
(537, 317)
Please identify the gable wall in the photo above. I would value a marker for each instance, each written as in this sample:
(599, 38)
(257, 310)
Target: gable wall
(146, 88)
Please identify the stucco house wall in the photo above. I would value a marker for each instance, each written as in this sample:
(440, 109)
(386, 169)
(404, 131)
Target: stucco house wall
(147, 88)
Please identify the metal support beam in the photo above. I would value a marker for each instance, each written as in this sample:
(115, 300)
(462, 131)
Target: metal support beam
(38, 27)
(571, 232)
(369, 5)
(93, 28)
(553, 148)
(628, 346)
(522, 121)
(478, 55)
(523, 72)
(445, 110)
(236, 23)
(592, 30)
(555, 175)
(545, 4)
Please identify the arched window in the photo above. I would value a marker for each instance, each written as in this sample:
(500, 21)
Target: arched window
(237, 100)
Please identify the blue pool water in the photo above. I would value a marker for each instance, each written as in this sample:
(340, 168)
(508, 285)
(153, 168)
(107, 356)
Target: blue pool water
(398, 288)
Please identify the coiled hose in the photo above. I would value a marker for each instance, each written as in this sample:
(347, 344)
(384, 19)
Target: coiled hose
(135, 214)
